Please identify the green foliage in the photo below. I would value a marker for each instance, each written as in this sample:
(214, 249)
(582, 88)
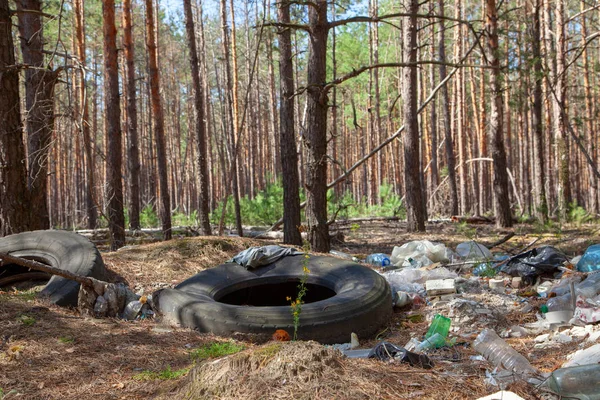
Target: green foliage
(215, 350)
(66, 339)
(26, 320)
(466, 230)
(578, 214)
(166, 374)
(182, 219)
(391, 205)
(148, 217)
(264, 209)
(296, 304)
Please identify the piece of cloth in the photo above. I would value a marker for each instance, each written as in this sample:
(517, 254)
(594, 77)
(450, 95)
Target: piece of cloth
(258, 256)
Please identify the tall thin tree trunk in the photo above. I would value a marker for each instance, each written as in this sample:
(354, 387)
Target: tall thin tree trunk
(39, 106)
(232, 111)
(13, 174)
(450, 162)
(541, 205)
(112, 125)
(412, 164)
(289, 155)
(203, 188)
(316, 135)
(593, 206)
(84, 123)
(133, 152)
(501, 200)
(159, 129)
(559, 107)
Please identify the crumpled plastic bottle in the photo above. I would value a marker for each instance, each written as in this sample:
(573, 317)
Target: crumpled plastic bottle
(378, 259)
(500, 353)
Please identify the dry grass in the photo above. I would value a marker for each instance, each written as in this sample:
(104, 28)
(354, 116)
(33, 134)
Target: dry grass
(53, 353)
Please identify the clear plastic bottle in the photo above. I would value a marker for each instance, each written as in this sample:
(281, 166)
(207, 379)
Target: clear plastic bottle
(580, 382)
(499, 353)
(378, 259)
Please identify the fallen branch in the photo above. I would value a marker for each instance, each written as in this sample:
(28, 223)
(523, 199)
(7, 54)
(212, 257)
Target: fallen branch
(503, 240)
(86, 281)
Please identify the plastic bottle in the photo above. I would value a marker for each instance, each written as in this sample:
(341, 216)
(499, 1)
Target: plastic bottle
(343, 255)
(590, 261)
(580, 382)
(378, 259)
(499, 353)
(440, 324)
(433, 342)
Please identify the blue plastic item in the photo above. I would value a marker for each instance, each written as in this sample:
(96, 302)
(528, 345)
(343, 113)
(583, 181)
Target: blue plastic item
(485, 269)
(590, 261)
(379, 259)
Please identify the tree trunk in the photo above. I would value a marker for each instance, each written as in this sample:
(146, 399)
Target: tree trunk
(133, 152)
(39, 106)
(412, 165)
(501, 200)
(232, 113)
(289, 156)
(589, 118)
(559, 104)
(316, 134)
(159, 128)
(204, 190)
(450, 162)
(13, 175)
(84, 123)
(541, 205)
(112, 126)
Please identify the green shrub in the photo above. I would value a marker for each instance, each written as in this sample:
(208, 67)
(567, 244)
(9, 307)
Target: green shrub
(215, 350)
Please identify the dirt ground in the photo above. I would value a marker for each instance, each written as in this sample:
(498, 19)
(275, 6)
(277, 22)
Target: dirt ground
(48, 352)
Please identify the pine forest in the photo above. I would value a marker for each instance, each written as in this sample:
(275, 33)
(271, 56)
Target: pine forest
(220, 114)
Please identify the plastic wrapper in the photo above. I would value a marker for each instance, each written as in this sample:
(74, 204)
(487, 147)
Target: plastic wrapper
(420, 253)
(258, 256)
(541, 261)
(472, 251)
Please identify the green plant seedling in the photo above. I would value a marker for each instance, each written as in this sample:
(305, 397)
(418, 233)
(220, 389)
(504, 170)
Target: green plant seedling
(26, 320)
(215, 350)
(66, 339)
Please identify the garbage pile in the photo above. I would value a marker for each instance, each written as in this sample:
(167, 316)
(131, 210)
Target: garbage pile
(467, 293)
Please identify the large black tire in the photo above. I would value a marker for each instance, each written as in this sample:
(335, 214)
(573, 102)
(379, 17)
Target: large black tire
(362, 300)
(60, 249)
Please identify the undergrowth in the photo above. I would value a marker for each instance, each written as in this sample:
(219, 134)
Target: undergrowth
(215, 350)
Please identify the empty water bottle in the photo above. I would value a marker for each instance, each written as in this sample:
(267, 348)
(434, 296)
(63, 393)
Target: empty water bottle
(378, 259)
(580, 382)
(590, 261)
(499, 353)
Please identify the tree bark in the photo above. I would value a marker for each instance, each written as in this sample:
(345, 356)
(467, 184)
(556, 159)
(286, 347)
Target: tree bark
(159, 124)
(450, 161)
(412, 175)
(39, 106)
(112, 124)
(541, 205)
(84, 123)
(501, 200)
(133, 152)
(13, 175)
(203, 188)
(316, 134)
(289, 156)
(559, 104)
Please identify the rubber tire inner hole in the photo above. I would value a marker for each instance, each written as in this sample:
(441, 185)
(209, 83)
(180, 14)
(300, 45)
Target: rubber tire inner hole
(275, 294)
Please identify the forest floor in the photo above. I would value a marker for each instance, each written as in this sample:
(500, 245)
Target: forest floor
(48, 352)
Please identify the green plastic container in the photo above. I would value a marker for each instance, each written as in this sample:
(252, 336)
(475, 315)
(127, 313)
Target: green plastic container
(441, 325)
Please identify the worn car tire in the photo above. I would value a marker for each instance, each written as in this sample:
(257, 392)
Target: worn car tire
(68, 251)
(361, 300)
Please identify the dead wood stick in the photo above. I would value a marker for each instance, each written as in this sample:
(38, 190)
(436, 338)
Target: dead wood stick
(92, 283)
(503, 240)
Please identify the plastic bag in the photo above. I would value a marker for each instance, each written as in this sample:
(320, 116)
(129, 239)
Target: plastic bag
(473, 251)
(420, 253)
(257, 256)
(537, 262)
